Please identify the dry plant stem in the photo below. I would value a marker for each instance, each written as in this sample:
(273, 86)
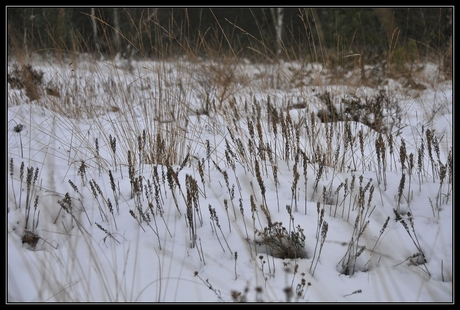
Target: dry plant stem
(31, 180)
(191, 225)
(79, 199)
(352, 185)
(35, 219)
(442, 270)
(253, 215)
(442, 176)
(200, 252)
(156, 231)
(296, 269)
(351, 139)
(400, 190)
(131, 173)
(191, 228)
(320, 214)
(361, 147)
(98, 157)
(337, 194)
(244, 221)
(450, 175)
(345, 193)
(429, 142)
(93, 186)
(348, 262)
(21, 178)
(318, 177)
(113, 147)
(378, 238)
(208, 284)
(215, 223)
(420, 165)
(354, 292)
(113, 187)
(109, 204)
(193, 198)
(410, 168)
(12, 183)
(172, 182)
(262, 189)
(324, 230)
(136, 218)
(305, 168)
(236, 257)
(294, 186)
(413, 237)
(379, 150)
(107, 233)
(275, 178)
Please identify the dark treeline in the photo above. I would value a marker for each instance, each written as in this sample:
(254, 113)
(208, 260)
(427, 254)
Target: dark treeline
(309, 33)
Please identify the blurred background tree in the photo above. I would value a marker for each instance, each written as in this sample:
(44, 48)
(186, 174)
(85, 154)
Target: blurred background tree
(311, 34)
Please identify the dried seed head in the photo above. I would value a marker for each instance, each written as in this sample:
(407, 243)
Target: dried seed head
(97, 146)
(113, 143)
(11, 167)
(442, 172)
(18, 128)
(401, 184)
(36, 175)
(402, 153)
(288, 290)
(411, 162)
(73, 186)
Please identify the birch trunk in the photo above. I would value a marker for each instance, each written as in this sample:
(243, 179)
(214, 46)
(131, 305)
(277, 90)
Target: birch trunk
(278, 16)
(116, 25)
(96, 41)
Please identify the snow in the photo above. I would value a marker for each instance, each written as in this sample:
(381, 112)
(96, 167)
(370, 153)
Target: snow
(98, 254)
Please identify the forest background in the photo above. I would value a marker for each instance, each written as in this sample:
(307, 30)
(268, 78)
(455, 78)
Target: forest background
(320, 34)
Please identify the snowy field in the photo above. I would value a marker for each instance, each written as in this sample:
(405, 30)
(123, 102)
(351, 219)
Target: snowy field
(195, 181)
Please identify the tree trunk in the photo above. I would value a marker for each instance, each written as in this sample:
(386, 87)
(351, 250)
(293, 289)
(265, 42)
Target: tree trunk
(116, 25)
(60, 31)
(96, 41)
(278, 16)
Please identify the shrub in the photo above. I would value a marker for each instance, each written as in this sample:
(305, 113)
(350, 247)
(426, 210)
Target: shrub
(26, 78)
(283, 243)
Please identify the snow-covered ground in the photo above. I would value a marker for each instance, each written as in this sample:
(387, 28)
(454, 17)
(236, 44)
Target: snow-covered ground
(159, 185)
